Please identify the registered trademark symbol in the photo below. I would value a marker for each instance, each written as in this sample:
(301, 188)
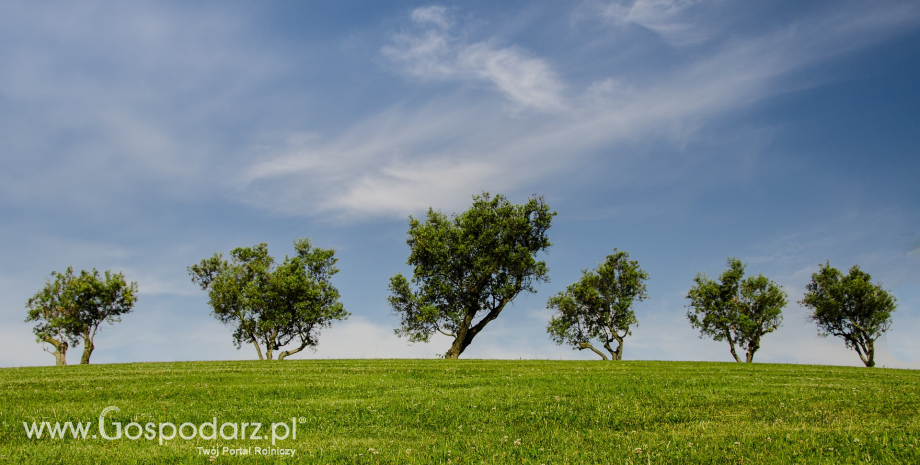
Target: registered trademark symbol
(302, 420)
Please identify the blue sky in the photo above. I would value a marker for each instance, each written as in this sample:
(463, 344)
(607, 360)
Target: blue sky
(145, 136)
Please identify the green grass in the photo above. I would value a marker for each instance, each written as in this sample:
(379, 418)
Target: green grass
(475, 411)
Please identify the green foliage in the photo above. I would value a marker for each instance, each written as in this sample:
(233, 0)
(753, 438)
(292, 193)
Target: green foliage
(270, 305)
(850, 307)
(599, 306)
(71, 308)
(477, 411)
(740, 311)
(469, 266)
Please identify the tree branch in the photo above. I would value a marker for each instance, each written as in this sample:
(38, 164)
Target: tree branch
(585, 345)
(438, 329)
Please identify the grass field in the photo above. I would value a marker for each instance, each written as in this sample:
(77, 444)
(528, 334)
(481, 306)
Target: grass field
(469, 411)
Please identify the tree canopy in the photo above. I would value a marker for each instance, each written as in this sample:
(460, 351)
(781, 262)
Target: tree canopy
(468, 267)
(849, 307)
(71, 308)
(739, 311)
(599, 306)
(272, 306)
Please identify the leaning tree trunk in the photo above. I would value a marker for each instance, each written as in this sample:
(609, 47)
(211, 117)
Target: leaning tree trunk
(461, 342)
(866, 351)
(731, 345)
(288, 353)
(864, 347)
(466, 333)
(255, 342)
(586, 345)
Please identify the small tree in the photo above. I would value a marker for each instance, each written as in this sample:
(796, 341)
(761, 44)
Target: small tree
(54, 308)
(850, 307)
(71, 308)
(273, 306)
(599, 306)
(740, 311)
(468, 267)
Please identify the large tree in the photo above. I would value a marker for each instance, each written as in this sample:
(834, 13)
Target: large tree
(849, 307)
(71, 308)
(272, 306)
(737, 310)
(468, 267)
(102, 299)
(55, 310)
(599, 306)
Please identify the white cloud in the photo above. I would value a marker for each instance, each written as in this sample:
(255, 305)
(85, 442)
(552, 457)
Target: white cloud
(433, 54)
(395, 189)
(668, 18)
(524, 80)
(436, 15)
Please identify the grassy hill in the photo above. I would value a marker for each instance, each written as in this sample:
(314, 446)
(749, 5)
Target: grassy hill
(467, 411)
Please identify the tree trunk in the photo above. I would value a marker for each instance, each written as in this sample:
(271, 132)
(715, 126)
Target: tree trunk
(585, 345)
(88, 348)
(268, 352)
(60, 351)
(617, 354)
(288, 353)
(466, 333)
(862, 349)
(460, 344)
(255, 342)
(869, 349)
(752, 348)
(271, 344)
(731, 345)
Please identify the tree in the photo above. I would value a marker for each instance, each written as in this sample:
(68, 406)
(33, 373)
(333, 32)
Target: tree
(102, 299)
(71, 308)
(469, 267)
(850, 307)
(273, 306)
(599, 306)
(54, 308)
(740, 311)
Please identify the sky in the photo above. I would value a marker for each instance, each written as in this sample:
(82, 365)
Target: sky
(142, 137)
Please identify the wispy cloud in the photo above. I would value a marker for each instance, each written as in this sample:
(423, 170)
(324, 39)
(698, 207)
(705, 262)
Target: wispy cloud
(672, 19)
(436, 15)
(407, 158)
(432, 53)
